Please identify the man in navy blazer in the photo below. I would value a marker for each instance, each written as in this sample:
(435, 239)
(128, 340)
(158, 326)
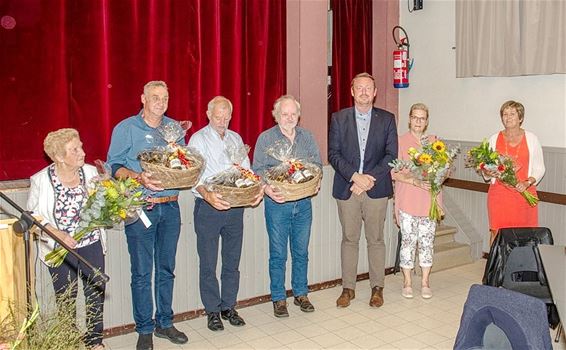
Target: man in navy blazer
(362, 141)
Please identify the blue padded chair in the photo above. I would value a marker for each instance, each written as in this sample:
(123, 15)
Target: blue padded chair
(497, 318)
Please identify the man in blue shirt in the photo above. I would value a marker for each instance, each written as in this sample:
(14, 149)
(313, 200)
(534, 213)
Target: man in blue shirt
(154, 237)
(288, 223)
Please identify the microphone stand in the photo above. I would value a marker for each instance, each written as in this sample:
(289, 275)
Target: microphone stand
(23, 225)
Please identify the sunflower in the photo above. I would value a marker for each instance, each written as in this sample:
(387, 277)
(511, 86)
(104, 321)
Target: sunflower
(425, 158)
(438, 146)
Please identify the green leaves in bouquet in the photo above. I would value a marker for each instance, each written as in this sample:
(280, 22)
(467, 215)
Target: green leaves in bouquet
(482, 154)
(484, 158)
(110, 202)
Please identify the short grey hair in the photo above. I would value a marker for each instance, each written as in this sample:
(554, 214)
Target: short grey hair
(55, 142)
(219, 100)
(276, 112)
(152, 84)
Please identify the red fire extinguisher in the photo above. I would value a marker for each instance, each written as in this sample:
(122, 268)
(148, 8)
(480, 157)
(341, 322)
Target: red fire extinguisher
(401, 61)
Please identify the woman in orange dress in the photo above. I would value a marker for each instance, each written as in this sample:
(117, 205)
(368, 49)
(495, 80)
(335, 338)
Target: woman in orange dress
(505, 205)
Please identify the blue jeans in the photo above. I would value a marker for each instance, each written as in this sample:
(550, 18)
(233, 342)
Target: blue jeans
(157, 245)
(288, 222)
(210, 225)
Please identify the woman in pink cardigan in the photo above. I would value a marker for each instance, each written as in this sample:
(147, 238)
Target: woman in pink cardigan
(412, 205)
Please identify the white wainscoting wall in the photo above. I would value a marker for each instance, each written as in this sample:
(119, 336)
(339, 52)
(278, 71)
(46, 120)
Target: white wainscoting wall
(324, 256)
(324, 249)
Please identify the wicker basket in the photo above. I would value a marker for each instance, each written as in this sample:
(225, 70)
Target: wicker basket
(174, 178)
(294, 192)
(238, 197)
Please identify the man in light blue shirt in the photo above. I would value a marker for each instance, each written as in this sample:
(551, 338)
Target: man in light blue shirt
(155, 236)
(214, 218)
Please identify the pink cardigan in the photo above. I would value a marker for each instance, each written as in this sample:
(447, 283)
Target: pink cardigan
(411, 199)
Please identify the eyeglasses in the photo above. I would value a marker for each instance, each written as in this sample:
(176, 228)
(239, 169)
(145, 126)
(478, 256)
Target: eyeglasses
(418, 119)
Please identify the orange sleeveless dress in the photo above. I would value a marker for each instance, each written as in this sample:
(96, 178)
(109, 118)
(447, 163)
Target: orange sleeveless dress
(505, 206)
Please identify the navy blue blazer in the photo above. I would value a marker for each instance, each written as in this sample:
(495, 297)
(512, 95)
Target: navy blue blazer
(344, 151)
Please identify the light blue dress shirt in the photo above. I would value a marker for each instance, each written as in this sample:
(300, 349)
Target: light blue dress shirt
(363, 122)
(131, 136)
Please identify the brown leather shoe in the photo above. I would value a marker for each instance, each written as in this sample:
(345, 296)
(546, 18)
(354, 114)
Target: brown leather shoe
(345, 297)
(376, 299)
(304, 303)
(280, 308)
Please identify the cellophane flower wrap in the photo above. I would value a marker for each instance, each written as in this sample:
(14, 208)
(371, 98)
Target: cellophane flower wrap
(173, 155)
(110, 202)
(432, 163)
(483, 157)
(236, 175)
(292, 170)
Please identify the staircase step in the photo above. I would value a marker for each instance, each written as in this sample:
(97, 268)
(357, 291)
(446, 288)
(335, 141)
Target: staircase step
(452, 254)
(444, 234)
(447, 256)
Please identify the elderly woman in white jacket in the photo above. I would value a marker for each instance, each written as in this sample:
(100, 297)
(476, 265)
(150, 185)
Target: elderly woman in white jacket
(57, 194)
(506, 206)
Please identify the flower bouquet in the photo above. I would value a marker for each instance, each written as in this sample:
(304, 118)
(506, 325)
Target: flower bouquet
(431, 164)
(174, 165)
(237, 185)
(110, 202)
(295, 178)
(484, 158)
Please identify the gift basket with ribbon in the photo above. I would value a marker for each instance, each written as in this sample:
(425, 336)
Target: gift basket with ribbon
(237, 185)
(295, 178)
(176, 166)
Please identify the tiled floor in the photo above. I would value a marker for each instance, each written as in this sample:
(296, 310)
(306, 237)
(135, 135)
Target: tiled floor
(399, 324)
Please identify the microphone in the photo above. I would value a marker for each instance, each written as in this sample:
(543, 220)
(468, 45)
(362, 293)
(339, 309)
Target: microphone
(24, 223)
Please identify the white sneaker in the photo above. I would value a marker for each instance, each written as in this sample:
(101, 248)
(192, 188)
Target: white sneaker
(426, 292)
(407, 292)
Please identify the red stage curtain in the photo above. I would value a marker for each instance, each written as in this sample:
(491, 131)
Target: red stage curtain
(83, 64)
(351, 48)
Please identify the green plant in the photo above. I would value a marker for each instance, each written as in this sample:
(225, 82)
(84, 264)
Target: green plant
(54, 327)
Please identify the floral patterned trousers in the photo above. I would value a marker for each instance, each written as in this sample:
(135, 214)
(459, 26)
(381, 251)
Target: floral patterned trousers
(416, 229)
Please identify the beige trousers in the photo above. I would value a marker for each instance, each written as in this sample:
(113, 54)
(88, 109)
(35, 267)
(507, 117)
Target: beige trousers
(352, 213)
